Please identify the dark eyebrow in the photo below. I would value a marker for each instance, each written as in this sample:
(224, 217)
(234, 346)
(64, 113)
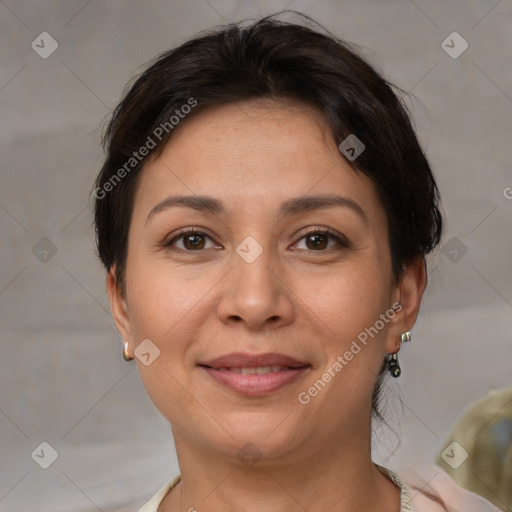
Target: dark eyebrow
(317, 202)
(200, 203)
(288, 208)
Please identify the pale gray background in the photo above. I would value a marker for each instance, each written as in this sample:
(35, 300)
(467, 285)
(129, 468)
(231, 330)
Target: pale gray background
(62, 376)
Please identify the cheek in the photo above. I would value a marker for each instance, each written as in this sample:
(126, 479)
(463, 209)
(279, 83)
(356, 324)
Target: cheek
(347, 308)
(166, 310)
(348, 301)
(161, 301)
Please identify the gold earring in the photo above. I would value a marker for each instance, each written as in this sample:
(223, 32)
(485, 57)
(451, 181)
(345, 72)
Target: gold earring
(405, 337)
(126, 355)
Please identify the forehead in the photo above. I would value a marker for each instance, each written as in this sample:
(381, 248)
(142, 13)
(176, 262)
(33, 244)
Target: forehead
(259, 151)
(248, 130)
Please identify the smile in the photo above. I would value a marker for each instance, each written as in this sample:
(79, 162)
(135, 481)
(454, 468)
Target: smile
(255, 374)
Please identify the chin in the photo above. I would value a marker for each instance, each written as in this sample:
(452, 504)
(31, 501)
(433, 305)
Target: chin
(268, 435)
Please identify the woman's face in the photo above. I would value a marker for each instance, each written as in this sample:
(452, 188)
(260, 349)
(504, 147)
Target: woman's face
(245, 315)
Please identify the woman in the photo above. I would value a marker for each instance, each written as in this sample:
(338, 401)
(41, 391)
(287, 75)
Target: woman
(263, 214)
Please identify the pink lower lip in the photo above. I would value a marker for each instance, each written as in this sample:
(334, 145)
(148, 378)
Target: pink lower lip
(256, 385)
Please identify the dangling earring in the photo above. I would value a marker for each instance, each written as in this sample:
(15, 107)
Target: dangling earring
(393, 365)
(126, 356)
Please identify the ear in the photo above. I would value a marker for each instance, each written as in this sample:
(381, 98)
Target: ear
(408, 293)
(119, 307)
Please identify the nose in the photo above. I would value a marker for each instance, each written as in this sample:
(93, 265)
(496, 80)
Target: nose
(256, 294)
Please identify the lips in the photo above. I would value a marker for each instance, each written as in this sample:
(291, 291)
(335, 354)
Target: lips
(241, 360)
(255, 374)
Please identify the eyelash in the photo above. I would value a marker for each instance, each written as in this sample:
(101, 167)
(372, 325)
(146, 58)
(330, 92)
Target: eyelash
(340, 240)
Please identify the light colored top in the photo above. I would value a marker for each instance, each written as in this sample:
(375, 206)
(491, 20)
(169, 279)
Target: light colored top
(438, 494)
(483, 435)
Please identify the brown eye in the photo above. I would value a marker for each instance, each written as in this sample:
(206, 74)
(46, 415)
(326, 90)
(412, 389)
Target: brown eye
(323, 240)
(194, 241)
(317, 241)
(190, 240)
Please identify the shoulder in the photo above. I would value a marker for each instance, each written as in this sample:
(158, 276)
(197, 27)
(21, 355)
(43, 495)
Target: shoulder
(425, 489)
(433, 490)
(153, 504)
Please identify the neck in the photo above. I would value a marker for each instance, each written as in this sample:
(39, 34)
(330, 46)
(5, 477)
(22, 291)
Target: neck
(340, 478)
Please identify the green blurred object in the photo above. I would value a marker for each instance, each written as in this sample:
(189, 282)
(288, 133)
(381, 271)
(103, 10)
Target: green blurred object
(478, 451)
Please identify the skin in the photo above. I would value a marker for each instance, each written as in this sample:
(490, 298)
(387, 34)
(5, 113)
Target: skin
(298, 298)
